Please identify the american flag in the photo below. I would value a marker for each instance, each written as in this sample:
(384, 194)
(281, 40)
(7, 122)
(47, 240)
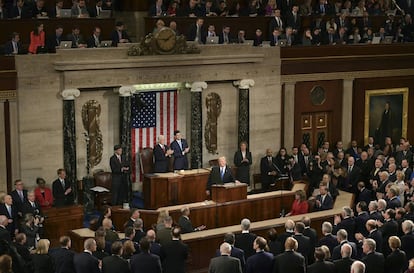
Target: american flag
(152, 114)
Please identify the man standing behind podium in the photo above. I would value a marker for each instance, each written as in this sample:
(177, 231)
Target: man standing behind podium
(180, 148)
(119, 182)
(62, 190)
(162, 155)
(219, 175)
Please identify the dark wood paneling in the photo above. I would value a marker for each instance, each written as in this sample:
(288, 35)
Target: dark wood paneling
(135, 5)
(358, 112)
(7, 63)
(60, 220)
(8, 80)
(25, 26)
(249, 24)
(330, 65)
(333, 104)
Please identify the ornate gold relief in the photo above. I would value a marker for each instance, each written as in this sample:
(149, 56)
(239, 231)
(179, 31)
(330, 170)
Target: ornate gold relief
(91, 111)
(306, 121)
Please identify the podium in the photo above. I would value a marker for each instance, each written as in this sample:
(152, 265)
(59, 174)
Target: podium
(228, 192)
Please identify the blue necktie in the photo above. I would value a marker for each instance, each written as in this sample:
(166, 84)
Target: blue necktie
(222, 174)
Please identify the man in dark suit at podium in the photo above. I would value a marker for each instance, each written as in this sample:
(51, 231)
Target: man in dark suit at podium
(219, 175)
(119, 182)
(62, 190)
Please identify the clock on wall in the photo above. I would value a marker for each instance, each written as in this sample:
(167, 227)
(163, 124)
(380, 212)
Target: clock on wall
(317, 95)
(165, 41)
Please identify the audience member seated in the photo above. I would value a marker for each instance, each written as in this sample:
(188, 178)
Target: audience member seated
(208, 9)
(96, 10)
(95, 39)
(80, 10)
(37, 39)
(13, 47)
(323, 200)
(53, 41)
(289, 36)
(300, 204)
(197, 32)
(55, 12)
(225, 36)
(43, 194)
(76, 38)
(39, 9)
(119, 35)
(42, 262)
(172, 8)
(157, 9)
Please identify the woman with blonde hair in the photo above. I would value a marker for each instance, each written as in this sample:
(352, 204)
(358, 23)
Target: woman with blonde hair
(300, 204)
(160, 221)
(42, 262)
(5, 264)
(396, 262)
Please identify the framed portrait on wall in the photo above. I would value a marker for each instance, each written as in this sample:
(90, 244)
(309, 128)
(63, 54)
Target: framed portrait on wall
(386, 113)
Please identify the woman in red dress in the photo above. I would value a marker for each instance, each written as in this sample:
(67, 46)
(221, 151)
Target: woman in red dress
(300, 204)
(43, 194)
(37, 38)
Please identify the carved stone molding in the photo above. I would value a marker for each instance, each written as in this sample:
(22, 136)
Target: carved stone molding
(244, 84)
(70, 94)
(196, 86)
(126, 91)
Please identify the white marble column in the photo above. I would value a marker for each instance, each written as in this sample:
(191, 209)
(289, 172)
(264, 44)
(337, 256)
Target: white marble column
(348, 85)
(196, 146)
(69, 137)
(244, 109)
(289, 115)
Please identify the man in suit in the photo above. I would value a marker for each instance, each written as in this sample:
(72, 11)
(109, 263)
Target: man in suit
(290, 261)
(219, 175)
(119, 168)
(225, 263)
(243, 160)
(115, 263)
(174, 254)
(4, 232)
(388, 229)
(62, 190)
(181, 149)
(364, 195)
(311, 233)
(374, 261)
(294, 20)
(63, 256)
(80, 10)
(323, 200)
(76, 38)
(352, 178)
(20, 11)
(353, 150)
(85, 262)
(289, 232)
(373, 233)
(133, 217)
(155, 248)
(13, 47)
(24, 252)
(235, 251)
(393, 202)
(162, 155)
(268, 170)
(225, 35)
(328, 239)
(95, 39)
(19, 196)
(119, 35)
(261, 261)
(185, 223)
(164, 234)
(342, 237)
(96, 10)
(345, 221)
(361, 218)
(145, 262)
(53, 41)
(304, 243)
(9, 210)
(343, 265)
(276, 22)
(197, 32)
(31, 206)
(358, 267)
(407, 240)
(245, 239)
(55, 11)
(139, 230)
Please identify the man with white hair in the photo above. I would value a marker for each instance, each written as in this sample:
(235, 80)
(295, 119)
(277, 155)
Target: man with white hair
(289, 232)
(225, 263)
(358, 267)
(373, 211)
(343, 265)
(162, 155)
(342, 237)
(407, 240)
(85, 262)
(245, 239)
(328, 240)
(374, 261)
(4, 233)
(345, 221)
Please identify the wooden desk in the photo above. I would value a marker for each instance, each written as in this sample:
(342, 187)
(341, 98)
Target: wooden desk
(256, 207)
(59, 220)
(78, 237)
(166, 189)
(203, 244)
(228, 192)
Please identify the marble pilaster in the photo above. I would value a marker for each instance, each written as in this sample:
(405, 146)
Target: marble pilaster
(69, 137)
(244, 109)
(348, 85)
(196, 123)
(289, 114)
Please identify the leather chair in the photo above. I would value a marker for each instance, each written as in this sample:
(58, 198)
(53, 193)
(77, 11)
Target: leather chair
(147, 160)
(103, 179)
